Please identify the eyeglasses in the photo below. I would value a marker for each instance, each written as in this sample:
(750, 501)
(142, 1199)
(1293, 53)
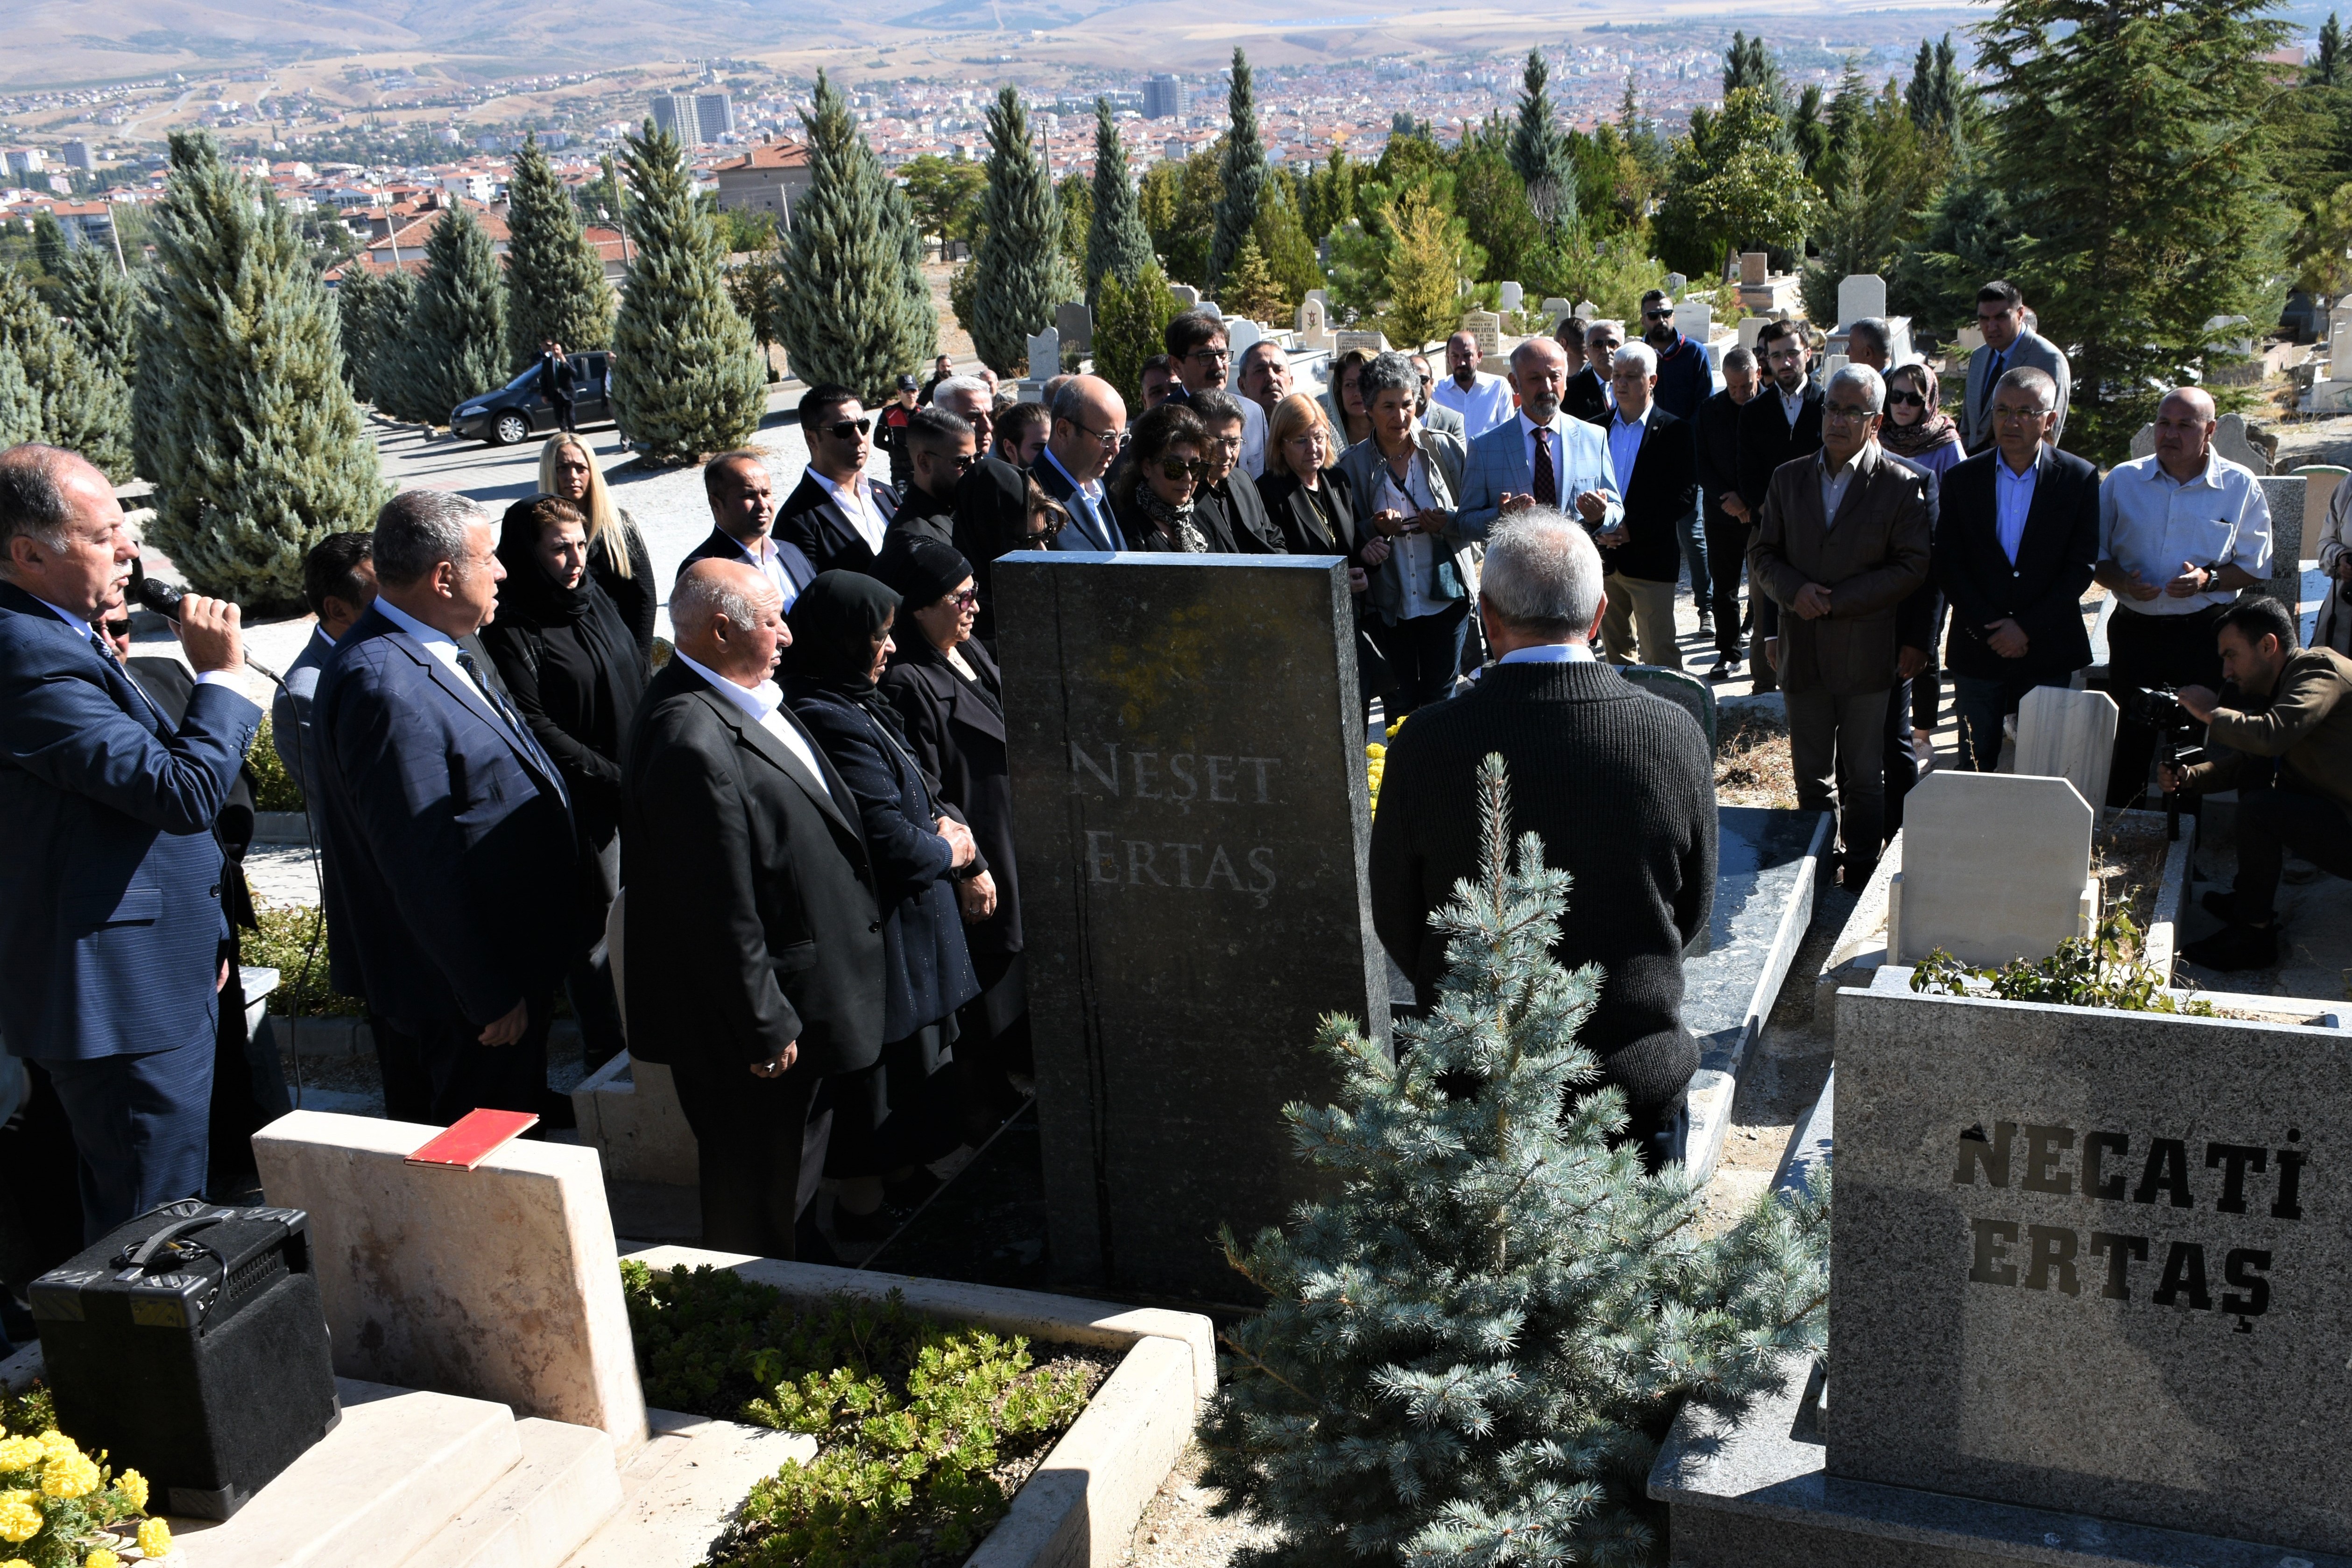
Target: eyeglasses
(1210, 356)
(117, 629)
(965, 461)
(1177, 468)
(1657, 315)
(1847, 412)
(1911, 399)
(1106, 436)
(842, 430)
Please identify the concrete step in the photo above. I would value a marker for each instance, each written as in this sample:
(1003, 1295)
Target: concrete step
(683, 1488)
(401, 1465)
(565, 1487)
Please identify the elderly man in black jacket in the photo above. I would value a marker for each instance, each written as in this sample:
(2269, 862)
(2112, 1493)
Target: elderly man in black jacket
(1618, 784)
(753, 936)
(1650, 452)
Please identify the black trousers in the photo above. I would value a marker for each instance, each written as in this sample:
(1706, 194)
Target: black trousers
(458, 1072)
(2153, 651)
(1727, 558)
(1902, 761)
(562, 406)
(760, 1154)
(1424, 654)
(2273, 820)
(1927, 686)
(248, 1087)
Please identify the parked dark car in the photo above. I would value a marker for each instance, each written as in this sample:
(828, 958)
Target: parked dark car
(518, 411)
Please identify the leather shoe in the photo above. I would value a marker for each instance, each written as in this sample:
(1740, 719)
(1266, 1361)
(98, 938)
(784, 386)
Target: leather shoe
(2236, 947)
(2222, 904)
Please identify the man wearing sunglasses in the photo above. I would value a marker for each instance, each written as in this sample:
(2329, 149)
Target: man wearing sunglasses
(1683, 384)
(1197, 351)
(838, 515)
(940, 453)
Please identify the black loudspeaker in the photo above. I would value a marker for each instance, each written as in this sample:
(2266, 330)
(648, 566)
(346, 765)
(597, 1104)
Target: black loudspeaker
(191, 1346)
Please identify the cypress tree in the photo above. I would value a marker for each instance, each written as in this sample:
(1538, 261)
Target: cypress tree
(687, 377)
(20, 411)
(1019, 275)
(2126, 259)
(1539, 150)
(846, 311)
(1282, 241)
(356, 308)
(1243, 172)
(1474, 1344)
(244, 425)
(918, 314)
(1117, 245)
(84, 407)
(555, 284)
(1128, 324)
(2321, 72)
(102, 308)
(454, 346)
(387, 327)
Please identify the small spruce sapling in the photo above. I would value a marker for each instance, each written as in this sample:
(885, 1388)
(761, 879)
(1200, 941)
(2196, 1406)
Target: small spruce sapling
(1472, 1348)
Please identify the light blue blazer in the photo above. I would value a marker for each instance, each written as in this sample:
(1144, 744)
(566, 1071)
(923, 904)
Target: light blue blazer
(1498, 467)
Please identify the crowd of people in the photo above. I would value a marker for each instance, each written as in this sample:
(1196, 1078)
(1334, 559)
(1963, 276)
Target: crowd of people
(782, 864)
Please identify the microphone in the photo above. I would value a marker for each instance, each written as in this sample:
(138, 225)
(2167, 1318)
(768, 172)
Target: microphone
(164, 600)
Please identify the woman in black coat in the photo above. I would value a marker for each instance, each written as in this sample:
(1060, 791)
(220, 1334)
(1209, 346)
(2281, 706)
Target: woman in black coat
(572, 666)
(1308, 498)
(951, 700)
(900, 1113)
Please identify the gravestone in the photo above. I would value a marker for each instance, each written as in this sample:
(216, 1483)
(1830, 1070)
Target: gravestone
(1555, 312)
(1675, 285)
(1314, 325)
(2092, 1262)
(2286, 493)
(1045, 355)
(1486, 326)
(1755, 267)
(2069, 735)
(1751, 329)
(1184, 294)
(2230, 440)
(1861, 294)
(1076, 325)
(1694, 319)
(1343, 343)
(1190, 800)
(1995, 867)
(1242, 334)
(1510, 296)
(1588, 310)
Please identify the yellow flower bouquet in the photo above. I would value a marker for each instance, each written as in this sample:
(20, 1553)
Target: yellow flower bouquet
(61, 1508)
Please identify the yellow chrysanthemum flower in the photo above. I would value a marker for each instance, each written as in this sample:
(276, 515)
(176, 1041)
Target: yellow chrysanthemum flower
(101, 1558)
(56, 1444)
(70, 1477)
(134, 1488)
(21, 1452)
(155, 1538)
(16, 1562)
(19, 1519)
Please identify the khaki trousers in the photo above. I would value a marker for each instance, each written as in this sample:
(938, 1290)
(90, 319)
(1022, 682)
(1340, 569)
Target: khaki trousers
(1643, 609)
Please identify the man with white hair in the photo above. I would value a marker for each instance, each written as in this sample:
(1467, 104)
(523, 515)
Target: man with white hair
(1843, 540)
(447, 823)
(1656, 465)
(753, 945)
(1619, 785)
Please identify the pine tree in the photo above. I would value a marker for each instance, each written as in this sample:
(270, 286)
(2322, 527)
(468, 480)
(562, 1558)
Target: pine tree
(1019, 274)
(1748, 64)
(387, 316)
(2321, 72)
(2129, 255)
(84, 407)
(20, 409)
(102, 308)
(50, 248)
(1250, 288)
(355, 320)
(1472, 1348)
(1117, 245)
(455, 346)
(1331, 197)
(919, 338)
(1290, 259)
(1074, 199)
(1971, 234)
(555, 282)
(844, 312)
(1128, 324)
(1424, 270)
(1951, 91)
(1243, 168)
(687, 377)
(244, 425)
(1734, 189)
(1538, 151)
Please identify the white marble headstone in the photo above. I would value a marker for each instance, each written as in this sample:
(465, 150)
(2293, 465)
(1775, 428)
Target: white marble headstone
(1184, 294)
(1241, 334)
(1044, 355)
(1588, 310)
(1486, 327)
(1510, 296)
(1751, 329)
(1694, 319)
(1557, 310)
(2069, 735)
(1755, 266)
(1341, 343)
(1314, 325)
(1861, 294)
(1994, 866)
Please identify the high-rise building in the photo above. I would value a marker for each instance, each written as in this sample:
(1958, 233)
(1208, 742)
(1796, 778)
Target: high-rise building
(77, 156)
(674, 113)
(1166, 98)
(714, 115)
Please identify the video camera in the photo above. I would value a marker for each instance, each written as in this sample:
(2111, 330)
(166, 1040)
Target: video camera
(2158, 708)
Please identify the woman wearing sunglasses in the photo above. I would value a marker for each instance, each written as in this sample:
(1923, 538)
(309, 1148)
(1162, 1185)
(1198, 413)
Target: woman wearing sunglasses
(1152, 492)
(947, 694)
(1915, 427)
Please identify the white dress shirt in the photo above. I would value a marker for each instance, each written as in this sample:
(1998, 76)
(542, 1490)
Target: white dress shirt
(857, 502)
(770, 563)
(1580, 456)
(1485, 404)
(1578, 652)
(1092, 491)
(2150, 525)
(1412, 551)
(760, 703)
(1792, 404)
(443, 649)
(2013, 501)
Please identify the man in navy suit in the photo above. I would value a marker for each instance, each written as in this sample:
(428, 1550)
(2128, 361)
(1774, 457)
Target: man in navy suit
(743, 517)
(444, 820)
(338, 583)
(837, 514)
(1090, 417)
(112, 940)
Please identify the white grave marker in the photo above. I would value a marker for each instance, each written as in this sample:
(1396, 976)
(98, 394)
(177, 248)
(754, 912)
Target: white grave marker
(1995, 867)
(2069, 735)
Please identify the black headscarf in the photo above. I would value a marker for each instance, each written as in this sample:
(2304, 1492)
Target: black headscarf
(920, 570)
(528, 594)
(833, 623)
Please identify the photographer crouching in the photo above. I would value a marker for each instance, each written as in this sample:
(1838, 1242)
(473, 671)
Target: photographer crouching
(2281, 727)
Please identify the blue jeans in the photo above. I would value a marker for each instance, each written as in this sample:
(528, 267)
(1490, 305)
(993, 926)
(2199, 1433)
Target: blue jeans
(1424, 654)
(1694, 543)
(1981, 704)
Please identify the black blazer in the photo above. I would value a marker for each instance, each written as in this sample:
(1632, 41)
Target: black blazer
(811, 521)
(1586, 397)
(2044, 591)
(1076, 536)
(172, 684)
(1717, 441)
(442, 824)
(635, 595)
(959, 738)
(1233, 514)
(1294, 516)
(924, 515)
(991, 512)
(751, 919)
(1658, 498)
(926, 967)
(1767, 441)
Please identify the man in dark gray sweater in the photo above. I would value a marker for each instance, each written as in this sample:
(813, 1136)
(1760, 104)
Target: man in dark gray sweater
(1618, 784)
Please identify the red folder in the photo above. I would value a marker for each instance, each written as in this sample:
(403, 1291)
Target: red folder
(471, 1139)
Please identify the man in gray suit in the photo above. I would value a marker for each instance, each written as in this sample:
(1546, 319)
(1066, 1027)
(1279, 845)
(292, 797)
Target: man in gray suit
(2008, 343)
(339, 584)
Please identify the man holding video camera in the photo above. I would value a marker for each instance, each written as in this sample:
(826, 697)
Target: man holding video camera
(2179, 533)
(2282, 730)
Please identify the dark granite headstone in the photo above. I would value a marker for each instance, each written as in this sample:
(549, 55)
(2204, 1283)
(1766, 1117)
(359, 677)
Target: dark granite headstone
(1190, 804)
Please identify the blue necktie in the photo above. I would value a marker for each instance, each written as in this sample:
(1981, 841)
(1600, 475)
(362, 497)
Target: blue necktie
(107, 653)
